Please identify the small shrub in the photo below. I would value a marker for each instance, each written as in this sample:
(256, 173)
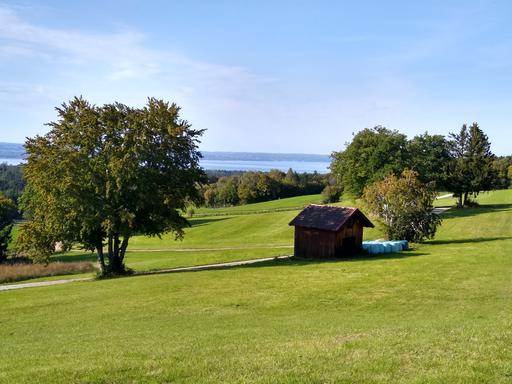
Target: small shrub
(331, 194)
(404, 204)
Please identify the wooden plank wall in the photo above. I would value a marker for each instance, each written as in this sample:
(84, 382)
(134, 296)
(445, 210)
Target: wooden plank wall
(314, 243)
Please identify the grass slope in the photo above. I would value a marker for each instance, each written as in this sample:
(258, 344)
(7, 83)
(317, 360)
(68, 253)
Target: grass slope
(290, 203)
(439, 313)
(218, 239)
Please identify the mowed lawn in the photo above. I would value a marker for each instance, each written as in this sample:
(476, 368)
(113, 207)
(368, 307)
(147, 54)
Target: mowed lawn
(440, 313)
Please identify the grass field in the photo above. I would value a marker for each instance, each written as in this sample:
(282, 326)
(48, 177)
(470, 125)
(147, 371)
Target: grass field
(439, 313)
(226, 236)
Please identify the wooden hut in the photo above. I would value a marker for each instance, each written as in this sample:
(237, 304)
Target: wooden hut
(323, 231)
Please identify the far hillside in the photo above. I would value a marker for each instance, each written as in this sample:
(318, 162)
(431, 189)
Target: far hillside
(290, 203)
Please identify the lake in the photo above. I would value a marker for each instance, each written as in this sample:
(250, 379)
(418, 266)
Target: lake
(12, 154)
(255, 165)
(246, 165)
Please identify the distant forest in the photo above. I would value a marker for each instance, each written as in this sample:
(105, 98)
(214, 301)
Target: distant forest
(225, 189)
(11, 181)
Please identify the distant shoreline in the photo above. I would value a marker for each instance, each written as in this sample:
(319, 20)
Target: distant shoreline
(13, 154)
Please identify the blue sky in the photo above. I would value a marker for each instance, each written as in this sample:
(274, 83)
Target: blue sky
(276, 76)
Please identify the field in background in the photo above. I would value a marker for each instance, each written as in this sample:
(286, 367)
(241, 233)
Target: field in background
(229, 234)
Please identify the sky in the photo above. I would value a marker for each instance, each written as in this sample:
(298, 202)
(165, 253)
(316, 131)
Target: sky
(264, 76)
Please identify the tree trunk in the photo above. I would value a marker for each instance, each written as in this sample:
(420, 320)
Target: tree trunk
(101, 258)
(124, 245)
(110, 250)
(465, 199)
(116, 253)
(115, 264)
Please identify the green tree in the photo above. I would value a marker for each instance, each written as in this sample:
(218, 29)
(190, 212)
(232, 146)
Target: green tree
(8, 213)
(429, 155)
(247, 189)
(102, 174)
(330, 194)
(404, 204)
(227, 190)
(291, 178)
(372, 154)
(11, 181)
(470, 169)
(210, 195)
(501, 166)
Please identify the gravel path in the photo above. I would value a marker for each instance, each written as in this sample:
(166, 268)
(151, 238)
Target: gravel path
(204, 267)
(9, 287)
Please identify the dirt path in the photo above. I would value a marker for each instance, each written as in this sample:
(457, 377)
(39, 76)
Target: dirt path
(195, 268)
(9, 287)
(440, 210)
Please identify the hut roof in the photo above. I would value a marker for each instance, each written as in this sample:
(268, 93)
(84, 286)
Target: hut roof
(327, 217)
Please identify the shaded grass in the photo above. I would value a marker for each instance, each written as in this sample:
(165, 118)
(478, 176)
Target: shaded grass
(154, 260)
(17, 272)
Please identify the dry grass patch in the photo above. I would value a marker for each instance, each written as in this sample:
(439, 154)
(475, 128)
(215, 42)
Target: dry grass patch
(16, 272)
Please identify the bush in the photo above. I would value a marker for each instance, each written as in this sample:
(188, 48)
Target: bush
(404, 204)
(331, 194)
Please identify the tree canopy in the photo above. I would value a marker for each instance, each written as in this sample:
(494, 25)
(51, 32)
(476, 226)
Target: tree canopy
(104, 173)
(471, 168)
(8, 212)
(372, 154)
(11, 181)
(429, 156)
(404, 204)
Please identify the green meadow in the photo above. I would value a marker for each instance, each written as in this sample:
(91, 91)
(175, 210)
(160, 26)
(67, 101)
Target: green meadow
(439, 313)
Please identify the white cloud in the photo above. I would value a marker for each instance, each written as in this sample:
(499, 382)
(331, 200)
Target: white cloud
(124, 55)
(103, 67)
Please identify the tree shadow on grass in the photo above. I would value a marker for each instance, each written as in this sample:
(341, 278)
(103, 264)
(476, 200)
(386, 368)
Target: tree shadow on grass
(468, 241)
(72, 257)
(199, 222)
(466, 212)
(299, 262)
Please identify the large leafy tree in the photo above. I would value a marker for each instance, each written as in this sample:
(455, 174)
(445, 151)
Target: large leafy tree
(103, 174)
(372, 154)
(471, 167)
(8, 212)
(429, 156)
(404, 204)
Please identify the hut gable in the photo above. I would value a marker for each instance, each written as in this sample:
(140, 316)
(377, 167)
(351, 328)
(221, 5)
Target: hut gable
(328, 218)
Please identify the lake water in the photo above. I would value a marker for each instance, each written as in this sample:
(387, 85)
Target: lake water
(11, 161)
(255, 165)
(246, 165)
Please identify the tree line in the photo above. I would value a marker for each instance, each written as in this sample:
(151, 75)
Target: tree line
(461, 163)
(251, 187)
(12, 181)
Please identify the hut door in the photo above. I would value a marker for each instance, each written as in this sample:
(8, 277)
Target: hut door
(349, 245)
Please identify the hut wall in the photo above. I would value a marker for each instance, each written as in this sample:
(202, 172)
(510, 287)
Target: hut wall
(313, 243)
(349, 239)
